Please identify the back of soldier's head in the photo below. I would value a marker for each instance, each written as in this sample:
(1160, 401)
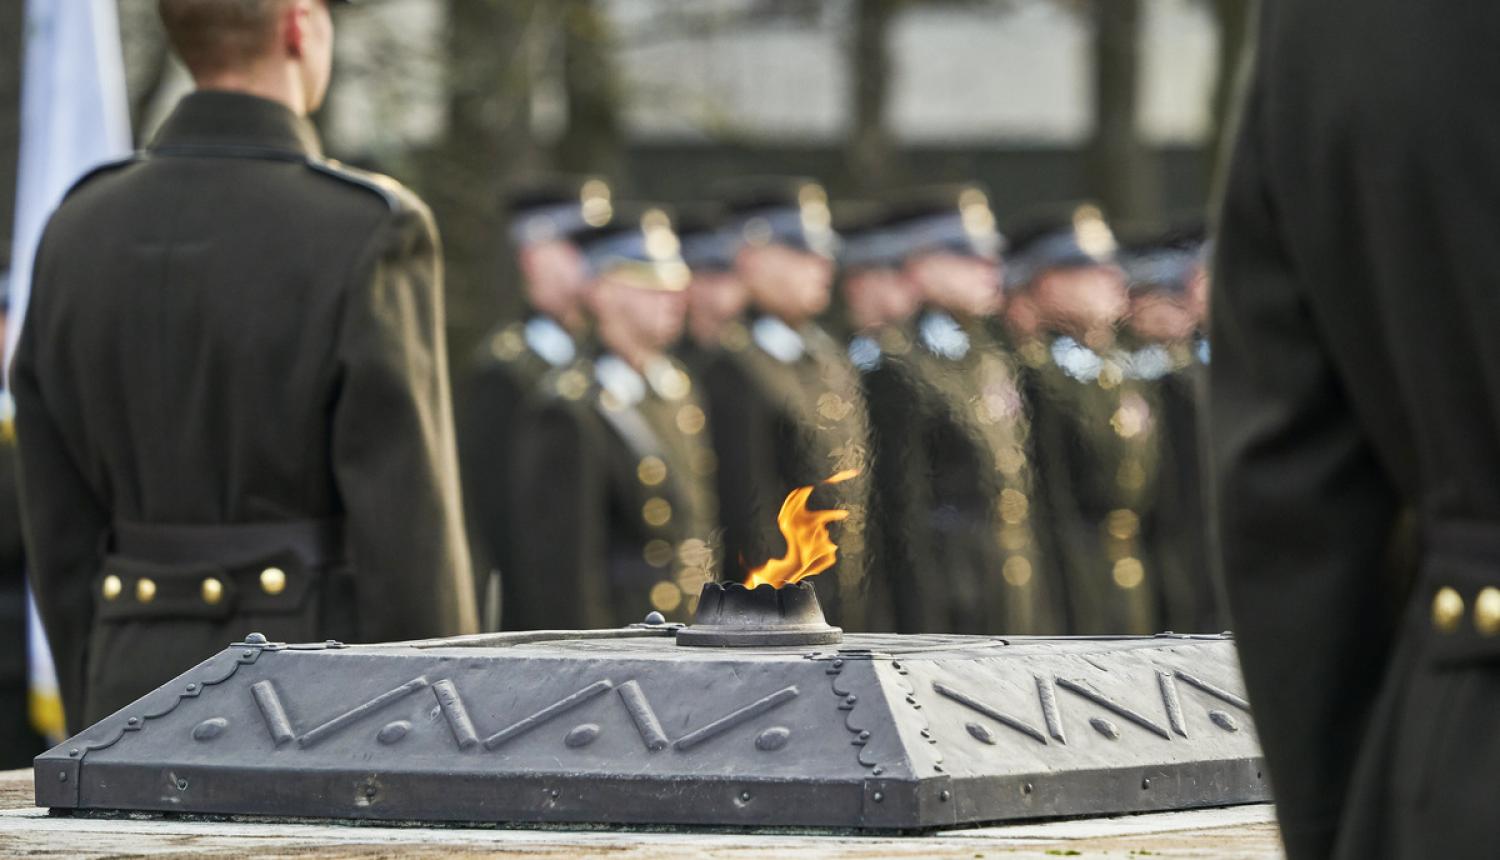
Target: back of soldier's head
(217, 36)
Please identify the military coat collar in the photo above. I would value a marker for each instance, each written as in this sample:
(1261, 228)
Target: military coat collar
(222, 120)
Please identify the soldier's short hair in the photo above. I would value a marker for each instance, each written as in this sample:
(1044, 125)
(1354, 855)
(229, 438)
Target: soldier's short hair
(215, 36)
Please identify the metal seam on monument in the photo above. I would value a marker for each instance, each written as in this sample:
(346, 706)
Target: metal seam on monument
(189, 691)
(925, 729)
(848, 703)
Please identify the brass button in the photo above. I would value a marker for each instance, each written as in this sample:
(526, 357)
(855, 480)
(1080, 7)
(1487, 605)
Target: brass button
(273, 580)
(112, 587)
(213, 590)
(145, 590)
(651, 471)
(1487, 612)
(1447, 610)
(657, 512)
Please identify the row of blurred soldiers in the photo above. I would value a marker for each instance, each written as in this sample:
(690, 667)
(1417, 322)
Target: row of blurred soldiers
(1020, 412)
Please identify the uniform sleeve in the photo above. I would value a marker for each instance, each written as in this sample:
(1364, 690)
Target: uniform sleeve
(393, 446)
(560, 515)
(1304, 512)
(485, 439)
(64, 520)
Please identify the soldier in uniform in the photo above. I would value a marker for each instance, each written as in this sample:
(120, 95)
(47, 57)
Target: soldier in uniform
(1166, 351)
(1354, 413)
(512, 361)
(786, 404)
(19, 742)
(716, 296)
(952, 467)
(618, 466)
(231, 394)
(1093, 425)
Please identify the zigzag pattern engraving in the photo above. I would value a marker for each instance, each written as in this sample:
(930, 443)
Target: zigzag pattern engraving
(274, 712)
(1052, 713)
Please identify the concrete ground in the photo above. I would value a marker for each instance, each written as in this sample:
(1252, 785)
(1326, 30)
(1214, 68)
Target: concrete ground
(1238, 832)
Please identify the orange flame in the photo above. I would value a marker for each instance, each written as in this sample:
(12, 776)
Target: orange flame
(809, 549)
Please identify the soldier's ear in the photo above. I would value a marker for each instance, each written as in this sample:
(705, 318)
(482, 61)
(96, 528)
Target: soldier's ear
(293, 27)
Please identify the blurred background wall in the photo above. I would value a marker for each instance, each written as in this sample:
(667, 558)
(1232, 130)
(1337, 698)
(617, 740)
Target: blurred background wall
(1042, 100)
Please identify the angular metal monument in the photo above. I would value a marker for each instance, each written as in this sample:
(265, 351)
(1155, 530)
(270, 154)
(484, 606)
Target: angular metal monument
(637, 726)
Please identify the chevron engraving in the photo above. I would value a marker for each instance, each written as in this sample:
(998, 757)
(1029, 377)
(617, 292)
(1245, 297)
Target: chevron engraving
(450, 702)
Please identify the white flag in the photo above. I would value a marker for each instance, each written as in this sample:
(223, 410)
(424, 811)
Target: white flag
(74, 116)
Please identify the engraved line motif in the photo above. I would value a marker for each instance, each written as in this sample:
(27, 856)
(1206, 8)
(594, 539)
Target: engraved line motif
(550, 712)
(359, 712)
(273, 712)
(1103, 701)
(644, 717)
(456, 714)
(1173, 703)
(998, 716)
(1048, 697)
(734, 718)
(1216, 692)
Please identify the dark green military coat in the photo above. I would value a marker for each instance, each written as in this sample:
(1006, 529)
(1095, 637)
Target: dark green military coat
(613, 498)
(954, 483)
(1097, 449)
(508, 371)
(233, 408)
(19, 743)
(788, 411)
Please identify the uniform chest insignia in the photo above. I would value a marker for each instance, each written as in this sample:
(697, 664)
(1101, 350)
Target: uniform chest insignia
(942, 336)
(1076, 360)
(550, 340)
(1202, 351)
(1148, 363)
(864, 353)
(622, 387)
(778, 340)
(668, 380)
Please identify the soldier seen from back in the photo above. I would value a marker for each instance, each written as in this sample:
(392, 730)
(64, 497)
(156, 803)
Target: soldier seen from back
(231, 391)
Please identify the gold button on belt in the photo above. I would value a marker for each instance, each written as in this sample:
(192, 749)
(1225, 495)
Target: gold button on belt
(1447, 609)
(273, 580)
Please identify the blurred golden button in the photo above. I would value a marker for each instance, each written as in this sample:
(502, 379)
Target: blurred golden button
(1122, 523)
(1017, 571)
(666, 596)
(111, 587)
(273, 580)
(1447, 610)
(1487, 612)
(213, 590)
(1014, 505)
(657, 553)
(690, 420)
(1129, 572)
(656, 512)
(651, 471)
(145, 590)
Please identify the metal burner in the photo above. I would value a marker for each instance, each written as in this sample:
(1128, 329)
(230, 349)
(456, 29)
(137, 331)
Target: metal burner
(732, 616)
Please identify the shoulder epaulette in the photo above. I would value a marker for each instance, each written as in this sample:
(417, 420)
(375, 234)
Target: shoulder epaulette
(101, 169)
(391, 191)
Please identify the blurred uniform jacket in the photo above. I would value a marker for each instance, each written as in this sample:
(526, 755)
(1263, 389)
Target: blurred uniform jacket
(953, 482)
(788, 411)
(509, 370)
(18, 741)
(613, 495)
(1355, 376)
(1177, 529)
(233, 408)
(1095, 428)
